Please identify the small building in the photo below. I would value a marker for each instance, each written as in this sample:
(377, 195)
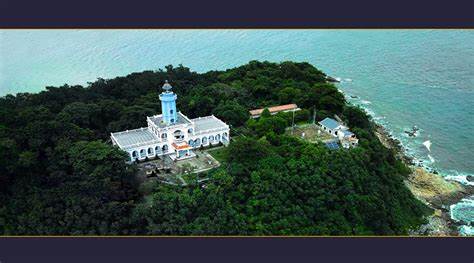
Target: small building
(331, 126)
(338, 130)
(348, 139)
(171, 133)
(274, 110)
(332, 145)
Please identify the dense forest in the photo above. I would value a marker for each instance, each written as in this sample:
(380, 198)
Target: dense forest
(60, 175)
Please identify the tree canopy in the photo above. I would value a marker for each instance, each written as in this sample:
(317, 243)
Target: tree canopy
(59, 173)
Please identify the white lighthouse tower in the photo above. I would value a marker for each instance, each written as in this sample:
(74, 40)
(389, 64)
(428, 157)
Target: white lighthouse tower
(168, 104)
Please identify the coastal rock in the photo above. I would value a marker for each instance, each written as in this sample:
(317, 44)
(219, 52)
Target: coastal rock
(331, 79)
(438, 225)
(438, 194)
(430, 188)
(391, 143)
(433, 189)
(470, 178)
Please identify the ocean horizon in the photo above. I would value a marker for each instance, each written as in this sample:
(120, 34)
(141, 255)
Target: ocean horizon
(402, 78)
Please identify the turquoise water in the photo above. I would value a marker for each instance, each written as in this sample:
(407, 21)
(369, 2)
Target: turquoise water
(402, 77)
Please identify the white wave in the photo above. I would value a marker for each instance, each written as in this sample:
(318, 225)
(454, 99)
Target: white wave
(427, 144)
(465, 230)
(459, 178)
(463, 211)
(365, 102)
(338, 79)
(348, 80)
(431, 158)
(369, 111)
(418, 162)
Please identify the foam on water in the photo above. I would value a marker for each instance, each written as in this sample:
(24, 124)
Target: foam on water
(432, 160)
(458, 177)
(464, 212)
(466, 230)
(427, 144)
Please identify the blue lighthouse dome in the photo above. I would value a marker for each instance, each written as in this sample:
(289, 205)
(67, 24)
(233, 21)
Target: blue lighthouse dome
(167, 86)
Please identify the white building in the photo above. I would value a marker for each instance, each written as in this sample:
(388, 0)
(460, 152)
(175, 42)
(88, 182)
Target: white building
(171, 133)
(337, 129)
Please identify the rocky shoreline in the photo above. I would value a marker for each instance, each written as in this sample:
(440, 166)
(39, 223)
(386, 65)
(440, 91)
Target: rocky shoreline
(431, 188)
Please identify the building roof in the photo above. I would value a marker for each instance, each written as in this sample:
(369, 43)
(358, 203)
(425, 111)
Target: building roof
(181, 146)
(352, 139)
(347, 133)
(330, 123)
(332, 145)
(275, 109)
(208, 123)
(158, 120)
(130, 138)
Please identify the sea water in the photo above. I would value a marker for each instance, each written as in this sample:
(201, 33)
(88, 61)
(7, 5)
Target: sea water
(401, 77)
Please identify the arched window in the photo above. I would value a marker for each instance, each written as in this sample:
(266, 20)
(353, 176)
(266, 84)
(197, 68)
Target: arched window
(191, 143)
(211, 138)
(150, 151)
(171, 111)
(204, 140)
(190, 130)
(218, 137)
(163, 135)
(197, 142)
(172, 120)
(178, 134)
(157, 150)
(134, 154)
(165, 148)
(142, 153)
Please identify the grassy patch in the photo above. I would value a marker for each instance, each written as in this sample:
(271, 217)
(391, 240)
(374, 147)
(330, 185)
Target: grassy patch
(309, 132)
(190, 177)
(219, 154)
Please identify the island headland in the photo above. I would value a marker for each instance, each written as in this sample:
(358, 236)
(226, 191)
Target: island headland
(325, 169)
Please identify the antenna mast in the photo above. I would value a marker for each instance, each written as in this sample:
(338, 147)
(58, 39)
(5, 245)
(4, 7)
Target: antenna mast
(314, 114)
(293, 123)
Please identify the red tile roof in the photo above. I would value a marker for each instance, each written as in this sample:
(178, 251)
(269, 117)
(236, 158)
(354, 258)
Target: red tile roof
(275, 109)
(181, 146)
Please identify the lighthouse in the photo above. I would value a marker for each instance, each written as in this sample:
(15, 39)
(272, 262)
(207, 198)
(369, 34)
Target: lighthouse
(171, 133)
(168, 104)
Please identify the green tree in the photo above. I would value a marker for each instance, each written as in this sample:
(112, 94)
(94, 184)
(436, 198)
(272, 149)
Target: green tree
(232, 113)
(289, 95)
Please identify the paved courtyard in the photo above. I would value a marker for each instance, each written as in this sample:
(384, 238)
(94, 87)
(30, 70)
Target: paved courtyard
(165, 170)
(310, 132)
